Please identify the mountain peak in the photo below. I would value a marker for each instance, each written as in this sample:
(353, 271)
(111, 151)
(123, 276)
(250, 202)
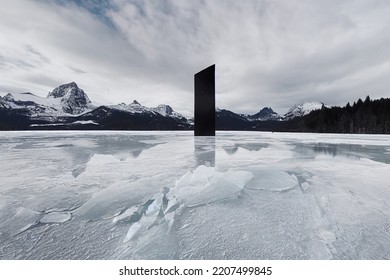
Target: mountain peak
(71, 84)
(9, 96)
(303, 108)
(135, 102)
(64, 89)
(164, 110)
(266, 110)
(73, 99)
(265, 114)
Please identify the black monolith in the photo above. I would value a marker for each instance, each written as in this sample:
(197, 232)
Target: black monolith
(205, 102)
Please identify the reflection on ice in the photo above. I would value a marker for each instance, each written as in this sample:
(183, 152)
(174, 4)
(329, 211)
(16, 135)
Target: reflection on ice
(166, 195)
(377, 153)
(205, 150)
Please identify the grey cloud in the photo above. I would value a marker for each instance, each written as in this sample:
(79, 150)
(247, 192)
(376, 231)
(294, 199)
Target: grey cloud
(37, 54)
(10, 63)
(26, 58)
(268, 53)
(44, 80)
(76, 70)
(4, 90)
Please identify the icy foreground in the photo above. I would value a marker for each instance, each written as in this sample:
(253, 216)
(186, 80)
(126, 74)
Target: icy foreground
(166, 195)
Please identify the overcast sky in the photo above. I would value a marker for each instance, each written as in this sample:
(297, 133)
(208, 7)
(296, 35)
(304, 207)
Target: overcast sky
(267, 52)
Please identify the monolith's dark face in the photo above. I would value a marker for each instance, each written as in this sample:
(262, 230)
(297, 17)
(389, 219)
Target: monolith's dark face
(205, 102)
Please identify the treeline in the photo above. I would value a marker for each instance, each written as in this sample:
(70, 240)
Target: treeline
(368, 116)
(13, 120)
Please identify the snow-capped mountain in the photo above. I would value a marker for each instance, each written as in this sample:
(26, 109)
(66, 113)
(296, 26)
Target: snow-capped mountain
(65, 100)
(27, 99)
(72, 99)
(136, 108)
(302, 109)
(167, 111)
(34, 106)
(265, 114)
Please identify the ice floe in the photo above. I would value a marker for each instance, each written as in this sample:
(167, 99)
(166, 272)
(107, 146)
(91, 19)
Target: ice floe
(206, 185)
(55, 217)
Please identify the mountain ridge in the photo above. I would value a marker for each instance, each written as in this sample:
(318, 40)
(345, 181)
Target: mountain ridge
(69, 100)
(69, 107)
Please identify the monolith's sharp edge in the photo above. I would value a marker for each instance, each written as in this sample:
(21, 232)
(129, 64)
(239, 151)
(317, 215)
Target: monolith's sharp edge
(205, 102)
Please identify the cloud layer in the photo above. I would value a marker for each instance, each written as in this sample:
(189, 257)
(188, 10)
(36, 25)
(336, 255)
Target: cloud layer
(268, 53)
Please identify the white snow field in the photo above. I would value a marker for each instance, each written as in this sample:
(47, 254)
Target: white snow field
(168, 195)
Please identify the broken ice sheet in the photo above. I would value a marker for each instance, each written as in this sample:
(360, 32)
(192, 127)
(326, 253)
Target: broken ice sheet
(201, 186)
(55, 217)
(206, 185)
(300, 196)
(271, 180)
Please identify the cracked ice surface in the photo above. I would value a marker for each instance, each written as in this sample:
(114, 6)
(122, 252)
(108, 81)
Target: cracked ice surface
(168, 195)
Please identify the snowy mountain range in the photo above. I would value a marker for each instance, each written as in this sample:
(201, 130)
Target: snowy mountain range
(69, 107)
(136, 107)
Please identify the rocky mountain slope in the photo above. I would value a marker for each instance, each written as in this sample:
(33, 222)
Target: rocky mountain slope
(302, 109)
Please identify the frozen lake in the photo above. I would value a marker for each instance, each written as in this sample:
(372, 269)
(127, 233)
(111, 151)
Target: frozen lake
(168, 195)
